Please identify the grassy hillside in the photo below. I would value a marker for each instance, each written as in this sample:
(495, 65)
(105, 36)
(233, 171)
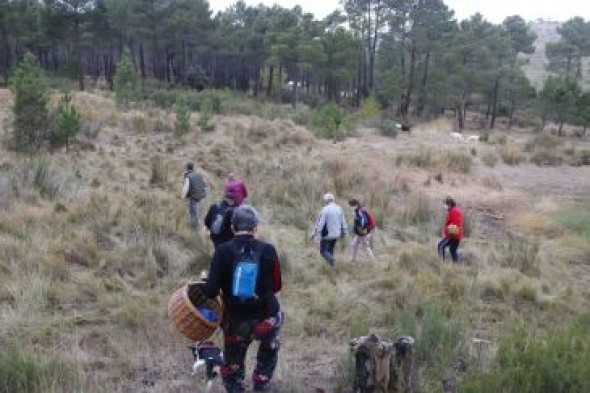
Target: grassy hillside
(94, 242)
(536, 68)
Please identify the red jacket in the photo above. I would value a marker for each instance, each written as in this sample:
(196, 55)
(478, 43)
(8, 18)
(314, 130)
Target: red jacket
(454, 216)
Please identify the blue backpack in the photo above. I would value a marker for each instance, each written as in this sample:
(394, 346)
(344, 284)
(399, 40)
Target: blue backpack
(245, 275)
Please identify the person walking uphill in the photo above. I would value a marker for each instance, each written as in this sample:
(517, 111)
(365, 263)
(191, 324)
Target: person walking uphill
(236, 187)
(194, 190)
(364, 224)
(330, 226)
(248, 274)
(218, 220)
(453, 230)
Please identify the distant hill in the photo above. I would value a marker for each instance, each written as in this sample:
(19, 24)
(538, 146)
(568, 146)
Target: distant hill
(536, 71)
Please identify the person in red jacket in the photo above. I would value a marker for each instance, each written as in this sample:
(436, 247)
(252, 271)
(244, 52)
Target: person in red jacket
(453, 230)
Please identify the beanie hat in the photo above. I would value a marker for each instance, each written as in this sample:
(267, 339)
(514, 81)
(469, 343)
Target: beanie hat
(245, 218)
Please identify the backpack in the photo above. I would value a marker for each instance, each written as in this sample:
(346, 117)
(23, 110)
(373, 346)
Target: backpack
(217, 223)
(245, 275)
(371, 223)
(365, 223)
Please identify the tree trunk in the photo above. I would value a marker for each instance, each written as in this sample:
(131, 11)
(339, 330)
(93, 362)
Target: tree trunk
(256, 81)
(460, 111)
(512, 109)
(545, 113)
(184, 67)
(294, 96)
(373, 49)
(410, 88)
(78, 53)
(281, 80)
(271, 70)
(494, 103)
(5, 55)
(423, 95)
(142, 61)
(559, 132)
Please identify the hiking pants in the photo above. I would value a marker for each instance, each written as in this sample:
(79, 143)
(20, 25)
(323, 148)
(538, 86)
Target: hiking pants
(356, 242)
(327, 250)
(238, 335)
(193, 212)
(452, 244)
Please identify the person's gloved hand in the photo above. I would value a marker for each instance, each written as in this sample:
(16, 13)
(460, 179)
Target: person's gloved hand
(262, 329)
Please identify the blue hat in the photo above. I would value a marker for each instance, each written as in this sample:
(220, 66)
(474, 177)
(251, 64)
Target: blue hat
(245, 218)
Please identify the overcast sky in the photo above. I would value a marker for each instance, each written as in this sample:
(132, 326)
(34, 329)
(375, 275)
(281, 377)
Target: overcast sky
(493, 10)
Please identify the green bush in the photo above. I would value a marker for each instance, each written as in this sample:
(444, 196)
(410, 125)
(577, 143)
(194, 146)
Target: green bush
(511, 155)
(526, 363)
(484, 136)
(205, 116)
(183, 117)
(490, 159)
(543, 141)
(31, 95)
(388, 128)
(159, 173)
(126, 80)
(370, 108)
(67, 123)
(577, 219)
(441, 343)
(523, 254)
(332, 122)
(459, 162)
(546, 157)
(23, 373)
(580, 158)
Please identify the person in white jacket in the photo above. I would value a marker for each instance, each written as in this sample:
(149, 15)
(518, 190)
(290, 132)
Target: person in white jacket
(330, 226)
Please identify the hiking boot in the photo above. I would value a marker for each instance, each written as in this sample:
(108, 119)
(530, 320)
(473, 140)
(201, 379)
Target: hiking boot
(262, 387)
(261, 383)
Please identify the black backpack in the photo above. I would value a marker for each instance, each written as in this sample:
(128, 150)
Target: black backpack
(219, 218)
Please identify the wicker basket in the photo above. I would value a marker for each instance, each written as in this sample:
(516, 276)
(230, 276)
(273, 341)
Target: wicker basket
(188, 320)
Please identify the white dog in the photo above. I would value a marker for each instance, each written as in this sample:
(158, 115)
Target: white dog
(457, 136)
(209, 355)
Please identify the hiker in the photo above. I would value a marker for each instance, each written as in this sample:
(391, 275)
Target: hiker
(218, 220)
(252, 309)
(364, 225)
(236, 187)
(194, 190)
(330, 226)
(452, 231)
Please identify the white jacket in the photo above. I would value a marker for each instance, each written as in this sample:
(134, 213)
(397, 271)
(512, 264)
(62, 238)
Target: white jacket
(332, 217)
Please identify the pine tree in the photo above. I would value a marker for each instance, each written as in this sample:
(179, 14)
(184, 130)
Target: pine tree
(30, 106)
(183, 116)
(125, 80)
(68, 123)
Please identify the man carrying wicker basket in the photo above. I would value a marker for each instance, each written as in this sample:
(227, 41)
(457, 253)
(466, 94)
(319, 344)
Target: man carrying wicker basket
(248, 274)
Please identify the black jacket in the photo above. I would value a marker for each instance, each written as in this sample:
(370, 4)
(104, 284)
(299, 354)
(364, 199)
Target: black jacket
(226, 232)
(269, 282)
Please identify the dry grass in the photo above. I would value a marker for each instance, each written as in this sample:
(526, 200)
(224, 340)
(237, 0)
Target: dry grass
(93, 243)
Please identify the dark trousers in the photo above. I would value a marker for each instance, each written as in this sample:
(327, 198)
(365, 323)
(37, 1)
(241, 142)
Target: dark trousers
(327, 250)
(452, 244)
(238, 335)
